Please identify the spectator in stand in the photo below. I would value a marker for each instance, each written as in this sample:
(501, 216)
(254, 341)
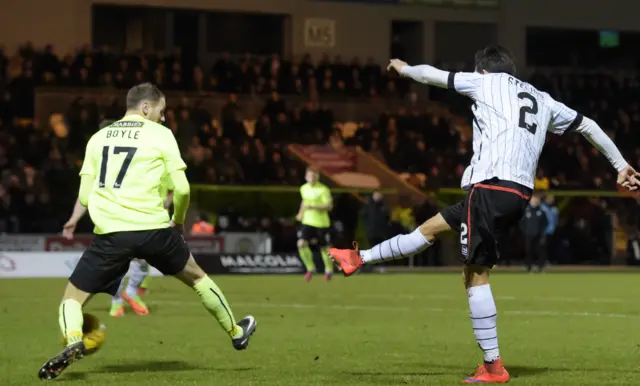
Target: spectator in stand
(230, 148)
(534, 224)
(202, 226)
(376, 219)
(553, 213)
(541, 181)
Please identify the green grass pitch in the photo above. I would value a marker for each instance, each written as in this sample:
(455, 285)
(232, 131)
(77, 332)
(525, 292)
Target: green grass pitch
(413, 329)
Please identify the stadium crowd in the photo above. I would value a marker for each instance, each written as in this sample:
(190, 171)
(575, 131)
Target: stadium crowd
(424, 141)
(414, 140)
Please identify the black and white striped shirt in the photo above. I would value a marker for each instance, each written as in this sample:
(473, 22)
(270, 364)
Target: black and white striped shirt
(511, 120)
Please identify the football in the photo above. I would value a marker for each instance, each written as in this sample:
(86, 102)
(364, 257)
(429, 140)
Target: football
(92, 334)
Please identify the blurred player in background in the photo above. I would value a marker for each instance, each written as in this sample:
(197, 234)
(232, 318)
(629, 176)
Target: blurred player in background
(120, 185)
(315, 224)
(511, 120)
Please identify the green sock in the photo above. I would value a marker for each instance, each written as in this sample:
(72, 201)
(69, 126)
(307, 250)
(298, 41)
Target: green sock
(70, 319)
(307, 258)
(145, 282)
(215, 302)
(328, 262)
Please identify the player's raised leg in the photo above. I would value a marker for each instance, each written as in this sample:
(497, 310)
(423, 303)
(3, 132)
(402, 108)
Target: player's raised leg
(138, 272)
(397, 247)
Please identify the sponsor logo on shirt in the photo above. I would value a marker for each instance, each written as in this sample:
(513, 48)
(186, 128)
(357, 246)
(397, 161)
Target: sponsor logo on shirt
(127, 124)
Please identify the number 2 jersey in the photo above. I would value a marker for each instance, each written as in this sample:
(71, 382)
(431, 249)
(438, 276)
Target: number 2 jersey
(130, 161)
(511, 120)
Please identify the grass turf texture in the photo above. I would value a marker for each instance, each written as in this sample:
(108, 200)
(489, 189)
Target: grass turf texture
(554, 329)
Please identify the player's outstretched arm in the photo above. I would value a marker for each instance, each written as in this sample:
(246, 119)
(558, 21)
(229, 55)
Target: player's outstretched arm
(627, 176)
(423, 73)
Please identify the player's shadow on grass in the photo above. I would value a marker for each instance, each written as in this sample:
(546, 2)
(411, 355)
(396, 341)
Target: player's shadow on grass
(153, 366)
(515, 371)
(159, 366)
(73, 377)
(526, 371)
(395, 374)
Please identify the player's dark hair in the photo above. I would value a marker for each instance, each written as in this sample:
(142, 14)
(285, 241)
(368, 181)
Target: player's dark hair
(494, 59)
(143, 92)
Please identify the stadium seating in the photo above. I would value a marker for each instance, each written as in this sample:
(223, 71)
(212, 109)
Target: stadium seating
(428, 144)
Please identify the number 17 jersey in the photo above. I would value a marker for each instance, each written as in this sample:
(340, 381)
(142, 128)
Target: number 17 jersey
(510, 121)
(128, 160)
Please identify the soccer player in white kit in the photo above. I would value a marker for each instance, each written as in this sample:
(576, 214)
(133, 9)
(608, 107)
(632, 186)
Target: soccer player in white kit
(511, 120)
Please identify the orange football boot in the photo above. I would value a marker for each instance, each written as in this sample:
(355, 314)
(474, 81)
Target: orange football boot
(136, 303)
(493, 372)
(349, 259)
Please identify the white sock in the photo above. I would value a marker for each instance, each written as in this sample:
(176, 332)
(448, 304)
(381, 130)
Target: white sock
(398, 247)
(117, 298)
(139, 271)
(483, 319)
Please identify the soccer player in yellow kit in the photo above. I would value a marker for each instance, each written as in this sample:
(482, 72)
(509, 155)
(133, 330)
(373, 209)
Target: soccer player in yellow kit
(139, 268)
(120, 183)
(315, 225)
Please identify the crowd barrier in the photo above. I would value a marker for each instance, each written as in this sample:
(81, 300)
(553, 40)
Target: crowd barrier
(61, 264)
(232, 242)
(41, 264)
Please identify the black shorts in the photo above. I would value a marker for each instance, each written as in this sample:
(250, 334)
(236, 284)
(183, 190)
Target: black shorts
(485, 216)
(106, 261)
(315, 236)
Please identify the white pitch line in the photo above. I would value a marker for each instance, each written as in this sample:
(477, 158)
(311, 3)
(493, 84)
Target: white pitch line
(587, 314)
(355, 307)
(461, 295)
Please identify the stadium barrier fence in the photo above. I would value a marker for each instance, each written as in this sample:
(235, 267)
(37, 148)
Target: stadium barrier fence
(61, 264)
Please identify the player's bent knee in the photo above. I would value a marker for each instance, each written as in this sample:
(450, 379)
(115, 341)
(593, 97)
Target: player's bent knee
(433, 226)
(475, 275)
(191, 272)
(302, 244)
(73, 292)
